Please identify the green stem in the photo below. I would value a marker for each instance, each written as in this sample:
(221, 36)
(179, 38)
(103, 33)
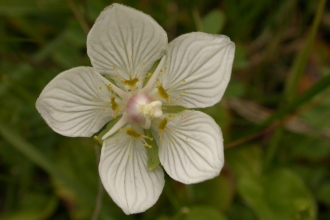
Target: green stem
(273, 148)
(321, 86)
(197, 19)
(80, 18)
(299, 66)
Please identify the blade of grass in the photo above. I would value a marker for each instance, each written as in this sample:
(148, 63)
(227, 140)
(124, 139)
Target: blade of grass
(31, 152)
(80, 18)
(321, 86)
(272, 148)
(268, 124)
(300, 62)
(197, 19)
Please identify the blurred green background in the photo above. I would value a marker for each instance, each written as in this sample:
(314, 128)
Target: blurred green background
(275, 114)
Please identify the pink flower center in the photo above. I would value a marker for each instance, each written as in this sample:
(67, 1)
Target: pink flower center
(142, 109)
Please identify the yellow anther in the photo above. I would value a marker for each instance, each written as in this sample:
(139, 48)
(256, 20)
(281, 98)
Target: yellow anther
(165, 68)
(93, 100)
(110, 87)
(184, 80)
(143, 64)
(114, 105)
(117, 140)
(147, 137)
(103, 110)
(132, 133)
(129, 156)
(115, 76)
(147, 145)
(162, 124)
(149, 74)
(100, 88)
(162, 92)
(131, 82)
(114, 67)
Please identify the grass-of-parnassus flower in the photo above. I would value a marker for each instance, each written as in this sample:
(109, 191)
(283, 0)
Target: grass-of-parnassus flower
(145, 85)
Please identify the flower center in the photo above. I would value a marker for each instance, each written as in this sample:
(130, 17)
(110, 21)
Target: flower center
(142, 109)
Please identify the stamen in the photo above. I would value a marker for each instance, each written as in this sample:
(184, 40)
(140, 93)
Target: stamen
(162, 92)
(162, 124)
(123, 95)
(140, 136)
(131, 82)
(132, 133)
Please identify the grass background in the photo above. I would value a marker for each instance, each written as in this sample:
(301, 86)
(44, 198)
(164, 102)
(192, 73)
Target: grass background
(275, 114)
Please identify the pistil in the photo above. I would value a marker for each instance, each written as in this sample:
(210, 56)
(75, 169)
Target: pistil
(142, 109)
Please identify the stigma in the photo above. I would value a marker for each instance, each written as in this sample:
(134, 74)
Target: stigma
(142, 109)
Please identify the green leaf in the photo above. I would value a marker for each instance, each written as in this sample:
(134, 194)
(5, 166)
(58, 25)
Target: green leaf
(35, 206)
(152, 151)
(213, 22)
(245, 162)
(276, 194)
(221, 198)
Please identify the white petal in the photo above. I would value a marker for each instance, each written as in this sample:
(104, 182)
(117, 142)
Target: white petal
(76, 102)
(190, 147)
(125, 175)
(197, 69)
(125, 42)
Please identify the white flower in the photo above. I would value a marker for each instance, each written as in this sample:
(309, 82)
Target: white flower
(193, 72)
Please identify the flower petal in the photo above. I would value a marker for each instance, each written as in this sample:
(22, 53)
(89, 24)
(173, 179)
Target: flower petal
(124, 43)
(76, 102)
(197, 70)
(190, 146)
(125, 175)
